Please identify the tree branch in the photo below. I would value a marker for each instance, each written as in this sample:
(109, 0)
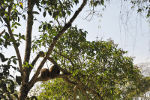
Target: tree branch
(27, 70)
(83, 87)
(16, 49)
(2, 33)
(7, 21)
(64, 75)
(86, 88)
(29, 31)
(40, 54)
(60, 33)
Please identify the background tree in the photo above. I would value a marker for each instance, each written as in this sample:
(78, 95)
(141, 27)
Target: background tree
(99, 70)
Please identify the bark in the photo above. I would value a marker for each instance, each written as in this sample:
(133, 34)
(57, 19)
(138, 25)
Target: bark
(29, 31)
(28, 40)
(58, 76)
(64, 75)
(2, 33)
(16, 48)
(23, 92)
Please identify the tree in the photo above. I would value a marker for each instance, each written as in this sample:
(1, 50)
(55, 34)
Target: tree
(11, 13)
(61, 17)
(99, 70)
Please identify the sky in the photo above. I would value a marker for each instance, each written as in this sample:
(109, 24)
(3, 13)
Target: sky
(131, 31)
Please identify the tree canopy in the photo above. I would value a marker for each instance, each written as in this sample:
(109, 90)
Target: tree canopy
(99, 69)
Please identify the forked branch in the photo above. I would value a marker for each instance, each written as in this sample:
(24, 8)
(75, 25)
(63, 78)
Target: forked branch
(55, 39)
(7, 21)
(2, 33)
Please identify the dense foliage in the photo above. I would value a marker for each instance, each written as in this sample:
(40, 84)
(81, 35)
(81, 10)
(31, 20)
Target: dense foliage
(7, 84)
(99, 69)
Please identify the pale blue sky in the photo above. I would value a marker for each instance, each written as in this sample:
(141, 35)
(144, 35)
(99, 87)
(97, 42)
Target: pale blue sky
(123, 25)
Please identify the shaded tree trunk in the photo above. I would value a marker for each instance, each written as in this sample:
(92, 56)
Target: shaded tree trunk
(23, 92)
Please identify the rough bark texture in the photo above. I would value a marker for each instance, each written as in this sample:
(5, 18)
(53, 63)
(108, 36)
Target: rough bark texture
(23, 92)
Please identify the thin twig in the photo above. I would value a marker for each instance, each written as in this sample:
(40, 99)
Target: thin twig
(2, 33)
(65, 57)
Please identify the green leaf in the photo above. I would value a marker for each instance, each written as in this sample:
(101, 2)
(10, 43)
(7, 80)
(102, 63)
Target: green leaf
(44, 13)
(102, 2)
(2, 57)
(44, 27)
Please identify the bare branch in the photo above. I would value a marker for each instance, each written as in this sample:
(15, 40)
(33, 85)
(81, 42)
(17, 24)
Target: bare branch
(16, 48)
(60, 33)
(27, 70)
(2, 33)
(40, 54)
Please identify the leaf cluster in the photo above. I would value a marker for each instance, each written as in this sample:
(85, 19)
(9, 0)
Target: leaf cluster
(7, 84)
(10, 10)
(143, 6)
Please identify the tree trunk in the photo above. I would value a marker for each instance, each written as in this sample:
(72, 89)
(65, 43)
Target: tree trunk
(23, 92)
